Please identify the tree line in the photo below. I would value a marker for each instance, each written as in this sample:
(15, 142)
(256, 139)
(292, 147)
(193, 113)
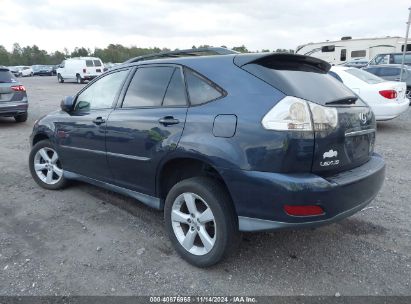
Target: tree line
(30, 55)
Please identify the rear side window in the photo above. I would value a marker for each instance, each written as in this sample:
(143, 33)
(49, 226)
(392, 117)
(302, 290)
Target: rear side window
(6, 76)
(199, 89)
(89, 63)
(148, 87)
(97, 63)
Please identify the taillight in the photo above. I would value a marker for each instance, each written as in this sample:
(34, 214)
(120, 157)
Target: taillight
(84, 71)
(18, 88)
(296, 114)
(303, 210)
(389, 94)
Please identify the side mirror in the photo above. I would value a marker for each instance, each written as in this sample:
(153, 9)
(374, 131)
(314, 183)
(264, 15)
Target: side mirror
(67, 104)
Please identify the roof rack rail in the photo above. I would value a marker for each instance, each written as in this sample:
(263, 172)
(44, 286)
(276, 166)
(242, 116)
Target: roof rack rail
(184, 53)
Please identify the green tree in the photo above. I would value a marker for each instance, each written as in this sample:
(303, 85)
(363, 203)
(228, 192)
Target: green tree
(4, 56)
(241, 49)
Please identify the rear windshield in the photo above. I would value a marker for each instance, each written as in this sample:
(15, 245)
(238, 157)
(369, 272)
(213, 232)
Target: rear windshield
(317, 87)
(6, 76)
(92, 63)
(365, 76)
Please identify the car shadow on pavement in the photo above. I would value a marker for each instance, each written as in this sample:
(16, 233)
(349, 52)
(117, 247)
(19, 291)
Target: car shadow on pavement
(309, 249)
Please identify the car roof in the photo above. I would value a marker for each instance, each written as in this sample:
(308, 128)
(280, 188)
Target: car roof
(217, 67)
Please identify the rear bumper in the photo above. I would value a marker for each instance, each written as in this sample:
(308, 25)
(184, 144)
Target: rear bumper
(9, 109)
(259, 197)
(390, 110)
(89, 77)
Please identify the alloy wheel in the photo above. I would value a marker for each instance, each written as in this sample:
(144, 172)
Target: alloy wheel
(193, 223)
(47, 166)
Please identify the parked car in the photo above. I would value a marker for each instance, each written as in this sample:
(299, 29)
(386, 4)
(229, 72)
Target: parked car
(13, 97)
(392, 73)
(26, 71)
(391, 58)
(222, 144)
(42, 70)
(15, 70)
(80, 69)
(356, 63)
(387, 99)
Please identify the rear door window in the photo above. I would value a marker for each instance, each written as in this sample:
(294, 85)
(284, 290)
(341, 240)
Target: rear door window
(176, 92)
(201, 90)
(148, 87)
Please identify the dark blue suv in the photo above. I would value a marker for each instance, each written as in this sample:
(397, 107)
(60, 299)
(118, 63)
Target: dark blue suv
(251, 142)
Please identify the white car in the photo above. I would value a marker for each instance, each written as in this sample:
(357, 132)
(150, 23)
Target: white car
(26, 71)
(387, 99)
(79, 69)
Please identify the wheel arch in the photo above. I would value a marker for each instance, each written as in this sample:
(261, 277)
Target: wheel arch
(176, 169)
(39, 137)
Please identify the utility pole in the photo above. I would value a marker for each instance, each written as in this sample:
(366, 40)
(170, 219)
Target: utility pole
(406, 43)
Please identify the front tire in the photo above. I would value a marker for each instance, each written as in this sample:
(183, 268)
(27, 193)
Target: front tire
(21, 117)
(200, 221)
(45, 166)
(59, 78)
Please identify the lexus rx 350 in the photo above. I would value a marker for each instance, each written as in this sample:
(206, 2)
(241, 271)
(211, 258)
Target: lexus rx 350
(222, 144)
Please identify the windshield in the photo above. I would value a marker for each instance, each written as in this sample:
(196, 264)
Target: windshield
(365, 76)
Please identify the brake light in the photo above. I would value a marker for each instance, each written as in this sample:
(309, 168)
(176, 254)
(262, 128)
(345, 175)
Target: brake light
(18, 88)
(389, 94)
(296, 114)
(303, 210)
(84, 71)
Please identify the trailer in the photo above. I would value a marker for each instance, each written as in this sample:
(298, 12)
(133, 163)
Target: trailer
(346, 49)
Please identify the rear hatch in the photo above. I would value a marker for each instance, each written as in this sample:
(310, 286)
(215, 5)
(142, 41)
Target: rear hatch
(347, 145)
(94, 67)
(7, 81)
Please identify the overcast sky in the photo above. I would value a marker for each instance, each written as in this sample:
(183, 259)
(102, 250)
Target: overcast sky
(258, 24)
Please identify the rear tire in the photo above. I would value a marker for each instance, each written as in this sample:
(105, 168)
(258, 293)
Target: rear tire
(200, 221)
(21, 117)
(59, 78)
(79, 79)
(45, 166)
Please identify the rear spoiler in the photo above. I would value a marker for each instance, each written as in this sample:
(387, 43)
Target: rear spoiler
(284, 61)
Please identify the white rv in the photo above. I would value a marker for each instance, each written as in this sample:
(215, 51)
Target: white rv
(338, 52)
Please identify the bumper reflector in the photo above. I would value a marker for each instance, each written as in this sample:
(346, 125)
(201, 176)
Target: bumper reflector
(303, 210)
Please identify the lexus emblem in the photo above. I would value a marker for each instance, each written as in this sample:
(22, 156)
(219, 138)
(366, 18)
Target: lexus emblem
(363, 117)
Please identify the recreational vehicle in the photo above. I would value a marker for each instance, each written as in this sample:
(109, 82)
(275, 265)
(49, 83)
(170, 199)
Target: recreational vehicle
(341, 51)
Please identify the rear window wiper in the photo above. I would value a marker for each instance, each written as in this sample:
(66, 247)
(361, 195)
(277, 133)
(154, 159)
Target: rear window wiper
(343, 101)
